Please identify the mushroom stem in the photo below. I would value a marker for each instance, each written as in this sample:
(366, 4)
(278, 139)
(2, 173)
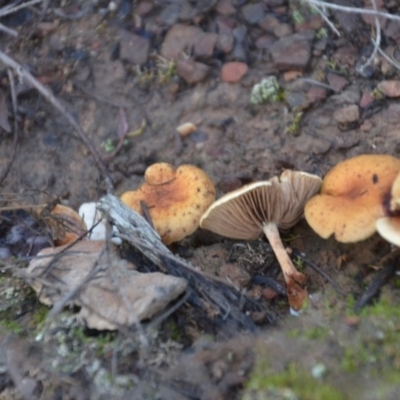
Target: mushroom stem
(293, 278)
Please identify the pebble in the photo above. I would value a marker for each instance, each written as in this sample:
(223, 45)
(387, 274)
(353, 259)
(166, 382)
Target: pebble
(192, 71)
(315, 94)
(186, 129)
(225, 42)
(292, 52)
(233, 71)
(225, 7)
(336, 81)
(182, 38)
(366, 99)
(264, 42)
(390, 88)
(347, 114)
(253, 13)
(134, 48)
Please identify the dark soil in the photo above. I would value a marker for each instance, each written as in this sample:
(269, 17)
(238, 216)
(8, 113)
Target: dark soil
(105, 66)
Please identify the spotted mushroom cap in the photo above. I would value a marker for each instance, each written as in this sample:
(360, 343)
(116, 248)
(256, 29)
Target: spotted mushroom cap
(242, 213)
(175, 199)
(353, 196)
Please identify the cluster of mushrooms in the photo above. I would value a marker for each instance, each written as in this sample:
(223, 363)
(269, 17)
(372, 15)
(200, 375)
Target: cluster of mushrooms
(356, 198)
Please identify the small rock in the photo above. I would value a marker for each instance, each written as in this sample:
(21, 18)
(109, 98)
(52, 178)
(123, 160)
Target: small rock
(225, 42)
(182, 38)
(225, 24)
(264, 42)
(144, 7)
(336, 81)
(269, 23)
(269, 293)
(391, 114)
(390, 88)
(253, 13)
(235, 274)
(134, 48)
(225, 7)
(205, 44)
(366, 99)
(109, 300)
(192, 71)
(346, 55)
(186, 129)
(292, 52)
(291, 75)
(393, 31)
(240, 50)
(233, 71)
(352, 320)
(315, 94)
(283, 30)
(347, 115)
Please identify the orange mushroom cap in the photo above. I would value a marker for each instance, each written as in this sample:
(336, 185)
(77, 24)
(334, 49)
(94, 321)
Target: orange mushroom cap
(175, 199)
(66, 225)
(395, 195)
(353, 196)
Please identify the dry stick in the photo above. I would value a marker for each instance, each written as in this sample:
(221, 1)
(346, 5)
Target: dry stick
(135, 230)
(15, 142)
(11, 10)
(9, 31)
(56, 103)
(376, 43)
(390, 264)
(326, 19)
(353, 10)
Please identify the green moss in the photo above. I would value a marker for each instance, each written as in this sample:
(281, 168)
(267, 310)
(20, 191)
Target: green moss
(11, 325)
(294, 127)
(378, 347)
(292, 383)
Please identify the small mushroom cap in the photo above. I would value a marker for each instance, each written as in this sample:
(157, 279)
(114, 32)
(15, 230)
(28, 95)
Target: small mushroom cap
(353, 195)
(175, 199)
(242, 213)
(389, 229)
(66, 225)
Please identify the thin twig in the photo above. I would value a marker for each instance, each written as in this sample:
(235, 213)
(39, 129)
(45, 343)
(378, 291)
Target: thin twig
(56, 103)
(7, 11)
(353, 10)
(9, 31)
(385, 56)
(15, 141)
(390, 265)
(328, 22)
(376, 43)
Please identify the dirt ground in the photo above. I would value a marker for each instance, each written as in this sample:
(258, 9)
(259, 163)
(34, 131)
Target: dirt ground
(110, 65)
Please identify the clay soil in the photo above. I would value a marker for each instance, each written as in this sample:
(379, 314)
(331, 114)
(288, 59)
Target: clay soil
(81, 52)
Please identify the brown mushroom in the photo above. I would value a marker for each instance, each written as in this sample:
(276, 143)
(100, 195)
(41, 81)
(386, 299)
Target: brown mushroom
(354, 195)
(66, 225)
(395, 195)
(263, 207)
(175, 199)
